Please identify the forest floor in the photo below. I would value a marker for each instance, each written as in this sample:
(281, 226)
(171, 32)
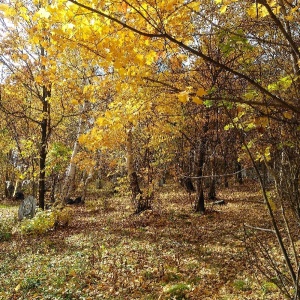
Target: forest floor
(171, 252)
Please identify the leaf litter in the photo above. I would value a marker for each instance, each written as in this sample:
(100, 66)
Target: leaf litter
(169, 252)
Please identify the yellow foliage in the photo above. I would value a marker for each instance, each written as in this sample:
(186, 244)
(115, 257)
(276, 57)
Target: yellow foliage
(257, 10)
(267, 154)
(289, 18)
(7, 10)
(201, 92)
(197, 100)
(288, 115)
(183, 97)
(223, 9)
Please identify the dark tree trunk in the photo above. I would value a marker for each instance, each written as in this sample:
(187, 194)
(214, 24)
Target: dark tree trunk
(200, 205)
(141, 202)
(226, 183)
(134, 184)
(212, 189)
(239, 175)
(43, 148)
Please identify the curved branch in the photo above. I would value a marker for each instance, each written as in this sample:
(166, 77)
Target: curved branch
(98, 12)
(280, 26)
(198, 53)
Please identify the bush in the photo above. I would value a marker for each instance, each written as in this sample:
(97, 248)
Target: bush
(63, 217)
(6, 227)
(45, 221)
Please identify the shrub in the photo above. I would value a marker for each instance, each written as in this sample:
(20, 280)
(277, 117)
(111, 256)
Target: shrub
(269, 287)
(63, 217)
(6, 227)
(46, 220)
(42, 222)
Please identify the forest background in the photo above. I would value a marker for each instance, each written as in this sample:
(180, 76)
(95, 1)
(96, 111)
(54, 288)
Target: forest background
(135, 93)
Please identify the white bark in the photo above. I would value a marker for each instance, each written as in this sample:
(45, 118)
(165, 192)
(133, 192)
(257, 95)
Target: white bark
(69, 183)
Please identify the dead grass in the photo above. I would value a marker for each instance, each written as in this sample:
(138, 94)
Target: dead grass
(167, 253)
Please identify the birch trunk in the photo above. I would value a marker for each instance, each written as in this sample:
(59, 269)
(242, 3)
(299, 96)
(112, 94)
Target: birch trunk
(69, 184)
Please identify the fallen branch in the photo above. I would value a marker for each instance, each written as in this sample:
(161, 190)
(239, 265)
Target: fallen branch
(260, 228)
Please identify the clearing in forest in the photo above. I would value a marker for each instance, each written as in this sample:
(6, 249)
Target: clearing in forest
(167, 253)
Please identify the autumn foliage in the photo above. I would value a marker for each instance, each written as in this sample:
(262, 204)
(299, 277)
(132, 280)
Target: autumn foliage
(124, 96)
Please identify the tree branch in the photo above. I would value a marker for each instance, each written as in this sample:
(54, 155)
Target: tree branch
(198, 53)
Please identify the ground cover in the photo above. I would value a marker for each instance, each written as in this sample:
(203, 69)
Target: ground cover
(167, 253)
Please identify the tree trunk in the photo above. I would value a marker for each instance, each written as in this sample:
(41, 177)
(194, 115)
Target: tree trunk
(200, 205)
(86, 180)
(239, 176)
(212, 189)
(69, 184)
(226, 183)
(53, 186)
(212, 184)
(43, 147)
(225, 165)
(139, 203)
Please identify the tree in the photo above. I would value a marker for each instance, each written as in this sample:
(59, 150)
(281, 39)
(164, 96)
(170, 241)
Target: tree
(37, 85)
(266, 44)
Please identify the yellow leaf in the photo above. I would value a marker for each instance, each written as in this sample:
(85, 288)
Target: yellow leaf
(288, 115)
(24, 13)
(35, 40)
(144, 6)
(102, 121)
(194, 5)
(263, 11)
(201, 92)
(74, 102)
(17, 288)
(223, 9)
(183, 97)
(289, 18)
(197, 100)
(150, 57)
(140, 57)
(257, 10)
(8, 11)
(68, 26)
(39, 79)
(252, 11)
(44, 60)
(43, 13)
(267, 154)
(122, 71)
(24, 56)
(87, 88)
(4, 7)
